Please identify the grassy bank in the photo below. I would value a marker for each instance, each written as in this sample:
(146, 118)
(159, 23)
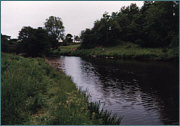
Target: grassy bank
(33, 93)
(124, 50)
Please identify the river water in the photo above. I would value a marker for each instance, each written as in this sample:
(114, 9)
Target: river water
(144, 93)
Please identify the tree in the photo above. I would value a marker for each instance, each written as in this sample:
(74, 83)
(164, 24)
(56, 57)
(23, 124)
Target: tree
(146, 6)
(69, 38)
(5, 43)
(55, 29)
(77, 38)
(33, 42)
(54, 26)
(156, 24)
(133, 10)
(88, 39)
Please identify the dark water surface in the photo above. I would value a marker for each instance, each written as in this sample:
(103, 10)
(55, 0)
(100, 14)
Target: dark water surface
(145, 93)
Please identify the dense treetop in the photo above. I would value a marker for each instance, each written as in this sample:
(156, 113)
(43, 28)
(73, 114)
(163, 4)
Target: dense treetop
(54, 26)
(156, 24)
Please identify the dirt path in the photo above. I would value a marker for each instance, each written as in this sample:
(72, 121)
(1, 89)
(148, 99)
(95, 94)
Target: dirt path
(54, 64)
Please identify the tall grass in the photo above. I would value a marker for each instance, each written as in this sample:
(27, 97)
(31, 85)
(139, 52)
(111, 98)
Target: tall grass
(103, 115)
(23, 82)
(33, 93)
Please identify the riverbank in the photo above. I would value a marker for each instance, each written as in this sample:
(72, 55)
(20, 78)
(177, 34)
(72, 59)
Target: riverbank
(124, 50)
(33, 93)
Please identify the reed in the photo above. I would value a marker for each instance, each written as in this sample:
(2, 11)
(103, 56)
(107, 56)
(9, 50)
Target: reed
(102, 114)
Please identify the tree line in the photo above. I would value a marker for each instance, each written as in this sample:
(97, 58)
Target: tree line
(38, 41)
(155, 24)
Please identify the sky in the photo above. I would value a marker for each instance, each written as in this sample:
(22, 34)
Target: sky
(75, 15)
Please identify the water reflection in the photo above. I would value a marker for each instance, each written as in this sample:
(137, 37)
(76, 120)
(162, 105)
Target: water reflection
(143, 92)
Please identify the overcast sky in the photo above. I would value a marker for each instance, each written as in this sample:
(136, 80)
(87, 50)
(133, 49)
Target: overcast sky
(76, 15)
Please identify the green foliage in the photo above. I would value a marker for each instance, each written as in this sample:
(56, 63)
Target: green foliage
(8, 44)
(154, 25)
(77, 38)
(54, 26)
(34, 42)
(68, 39)
(4, 43)
(53, 41)
(158, 23)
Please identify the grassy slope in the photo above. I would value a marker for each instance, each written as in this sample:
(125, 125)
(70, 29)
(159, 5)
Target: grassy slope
(34, 93)
(65, 49)
(124, 50)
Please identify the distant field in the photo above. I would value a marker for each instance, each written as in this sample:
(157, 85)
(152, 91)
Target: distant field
(69, 48)
(125, 50)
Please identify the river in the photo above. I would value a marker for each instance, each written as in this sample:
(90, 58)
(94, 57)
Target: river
(144, 93)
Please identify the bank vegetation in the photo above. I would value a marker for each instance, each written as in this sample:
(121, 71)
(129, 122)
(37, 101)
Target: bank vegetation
(33, 93)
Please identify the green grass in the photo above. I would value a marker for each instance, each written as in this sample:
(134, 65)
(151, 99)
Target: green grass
(68, 48)
(65, 50)
(33, 93)
(125, 50)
